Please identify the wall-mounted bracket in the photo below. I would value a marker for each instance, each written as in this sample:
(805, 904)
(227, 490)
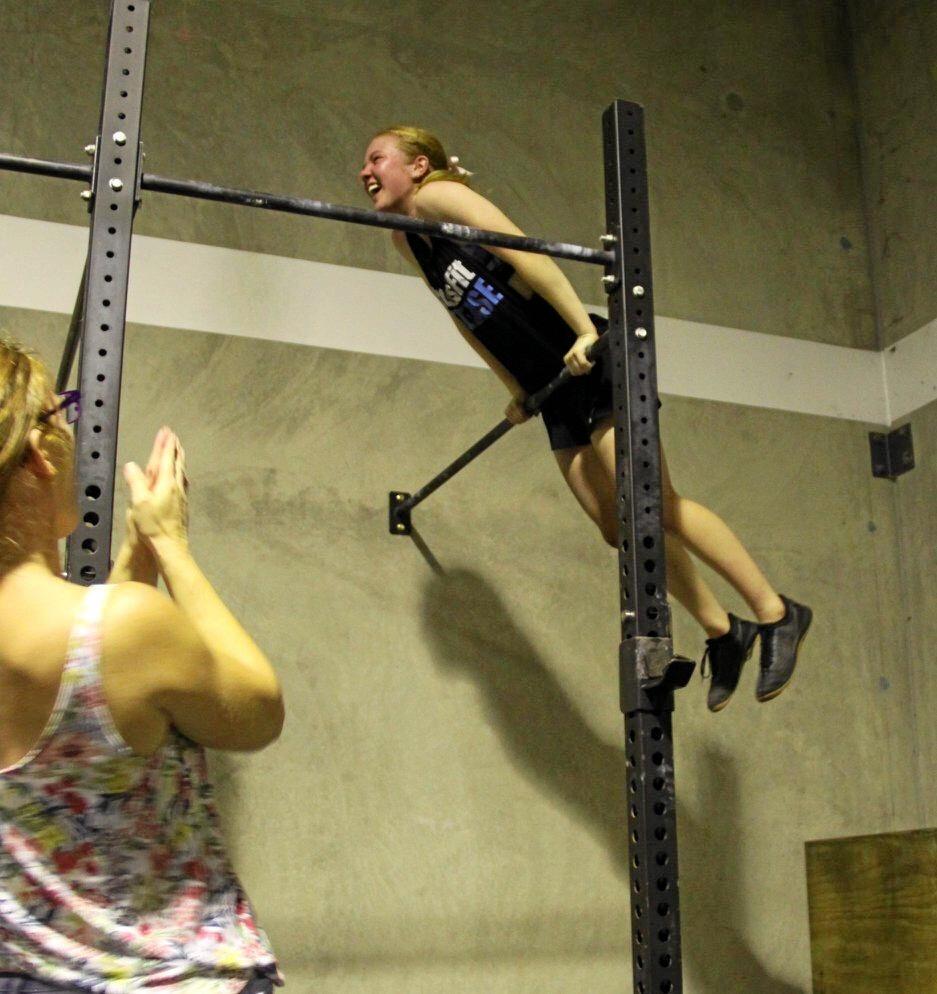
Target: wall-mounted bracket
(649, 673)
(892, 452)
(92, 150)
(398, 518)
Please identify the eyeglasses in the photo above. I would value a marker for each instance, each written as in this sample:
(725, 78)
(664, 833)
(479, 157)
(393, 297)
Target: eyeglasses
(69, 403)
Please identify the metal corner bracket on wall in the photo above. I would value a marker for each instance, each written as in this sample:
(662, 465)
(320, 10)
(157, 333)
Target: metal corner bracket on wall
(892, 452)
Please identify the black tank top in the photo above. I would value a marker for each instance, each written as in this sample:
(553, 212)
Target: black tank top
(527, 336)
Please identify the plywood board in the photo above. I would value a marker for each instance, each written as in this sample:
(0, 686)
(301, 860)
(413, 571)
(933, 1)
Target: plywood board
(873, 913)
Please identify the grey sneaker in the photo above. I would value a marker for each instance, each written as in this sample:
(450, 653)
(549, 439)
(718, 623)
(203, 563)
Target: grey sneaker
(779, 644)
(726, 656)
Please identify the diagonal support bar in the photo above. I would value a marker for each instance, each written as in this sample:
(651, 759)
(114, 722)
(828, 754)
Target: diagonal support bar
(113, 204)
(73, 338)
(402, 504)
(648, 671)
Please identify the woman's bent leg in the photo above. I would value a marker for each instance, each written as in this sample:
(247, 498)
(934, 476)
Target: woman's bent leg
(782, 623)
(593, 484)
(692, 591)
(709, 538)
(586, 479)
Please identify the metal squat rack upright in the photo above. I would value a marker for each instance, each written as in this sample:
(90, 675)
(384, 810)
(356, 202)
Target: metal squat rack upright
(102, 299)
(648, 670)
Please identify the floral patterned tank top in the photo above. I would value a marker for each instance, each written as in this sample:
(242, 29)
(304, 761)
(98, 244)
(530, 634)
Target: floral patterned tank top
(113, 873)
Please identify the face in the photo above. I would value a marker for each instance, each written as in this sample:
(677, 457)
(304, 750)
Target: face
(388, 178)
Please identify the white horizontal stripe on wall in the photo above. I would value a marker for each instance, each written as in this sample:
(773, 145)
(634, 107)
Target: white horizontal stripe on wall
(911, 372)
(758, 370)
(228, 291)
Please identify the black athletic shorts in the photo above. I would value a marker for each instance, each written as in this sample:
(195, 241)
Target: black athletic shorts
(575, 410)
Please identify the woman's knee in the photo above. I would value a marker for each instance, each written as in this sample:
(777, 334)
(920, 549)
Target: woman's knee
(609, 529)
(669, 502)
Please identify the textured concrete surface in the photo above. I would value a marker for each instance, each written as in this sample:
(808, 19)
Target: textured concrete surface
(756, 204)
(917, 528)
(895, 52)
(444, 812)
(895, 46)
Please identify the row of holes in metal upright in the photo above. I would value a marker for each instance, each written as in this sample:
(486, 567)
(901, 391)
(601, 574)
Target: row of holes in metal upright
(650, 564)
(92, 492)
(662, 858)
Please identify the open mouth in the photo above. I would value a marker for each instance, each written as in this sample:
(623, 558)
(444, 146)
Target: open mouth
(373, 187)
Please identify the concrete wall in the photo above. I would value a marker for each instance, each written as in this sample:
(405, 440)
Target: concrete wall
(917, 530)
(756, 206)
(895, 50)
(444, 811)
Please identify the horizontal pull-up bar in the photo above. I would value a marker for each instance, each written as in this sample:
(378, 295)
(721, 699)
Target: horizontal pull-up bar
(320, 208)
(401, 504)
(44, 167)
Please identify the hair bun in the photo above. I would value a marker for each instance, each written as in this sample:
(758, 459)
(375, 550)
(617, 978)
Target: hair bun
(454, 167)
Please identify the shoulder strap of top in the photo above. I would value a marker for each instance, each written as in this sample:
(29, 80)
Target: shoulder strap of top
(444, 250)
(84, 642)
(90, 614)
(80, 671)
(483, 259)
(83, 666)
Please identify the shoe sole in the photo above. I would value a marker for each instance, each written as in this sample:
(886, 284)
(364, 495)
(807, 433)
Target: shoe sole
(784, 686)
(719, 707)
(748, 655)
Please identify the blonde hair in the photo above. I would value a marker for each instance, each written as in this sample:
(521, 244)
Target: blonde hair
(413, 141)
(24, 394)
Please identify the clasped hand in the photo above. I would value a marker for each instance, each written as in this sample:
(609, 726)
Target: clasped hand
(159, 503)
(575, 359)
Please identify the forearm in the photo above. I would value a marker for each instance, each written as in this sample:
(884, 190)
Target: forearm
(134, 562)
(546, 279)
(194, 595)
(454, 202)
(513, 387)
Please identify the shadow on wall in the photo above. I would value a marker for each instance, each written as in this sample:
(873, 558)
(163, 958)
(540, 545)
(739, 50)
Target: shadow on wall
(468, 628)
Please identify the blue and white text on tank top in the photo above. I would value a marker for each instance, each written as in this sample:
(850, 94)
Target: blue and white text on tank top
(468, 294)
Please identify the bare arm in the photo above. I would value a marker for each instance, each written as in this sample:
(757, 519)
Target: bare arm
(513, 387)
(135, 563)
(155, 651)
(238, 682)
(456, 202)
(236, 700)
